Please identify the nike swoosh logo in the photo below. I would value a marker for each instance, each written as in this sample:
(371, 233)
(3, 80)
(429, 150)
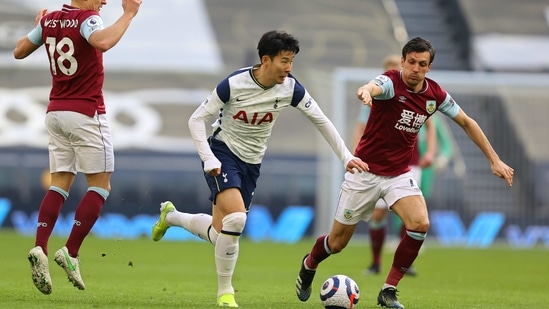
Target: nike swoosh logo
(67, 257)
(240, 99)
(231, 253)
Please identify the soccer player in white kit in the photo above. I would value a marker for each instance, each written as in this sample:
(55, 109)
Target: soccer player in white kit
(247, 104)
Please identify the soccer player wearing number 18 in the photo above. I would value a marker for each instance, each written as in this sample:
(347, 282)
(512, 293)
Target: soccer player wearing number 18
(79, 135)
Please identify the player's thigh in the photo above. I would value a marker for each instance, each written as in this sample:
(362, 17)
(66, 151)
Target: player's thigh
(229, 201)
(225, 192)
(249, 182)
(398, 187)
(237, 180)
(412, 210)
(357, 198)
(92, 142)
(404, 197)
(61, 153)
(226, 202)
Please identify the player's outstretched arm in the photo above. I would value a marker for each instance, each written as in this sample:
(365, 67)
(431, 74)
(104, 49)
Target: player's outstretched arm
(366, 92)
(107, 38)
(331, 135)
(475, 133)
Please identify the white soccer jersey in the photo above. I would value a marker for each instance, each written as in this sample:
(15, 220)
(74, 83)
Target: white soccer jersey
(247, 112)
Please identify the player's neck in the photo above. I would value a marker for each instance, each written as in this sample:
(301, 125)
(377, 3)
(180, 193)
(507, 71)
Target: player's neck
(261, 76)
(420, 87)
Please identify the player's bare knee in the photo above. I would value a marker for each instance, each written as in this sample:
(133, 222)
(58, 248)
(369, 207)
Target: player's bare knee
(337, 245)
(423, 228)
(234, 222)
(336, 249)
(424, 225)
(418, 226)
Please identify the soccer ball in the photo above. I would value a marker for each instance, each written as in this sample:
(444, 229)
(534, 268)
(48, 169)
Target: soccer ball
(339, 292)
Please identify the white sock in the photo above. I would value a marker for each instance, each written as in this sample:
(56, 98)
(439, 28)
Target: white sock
(226, 255)
(226, 251)
(198, 224)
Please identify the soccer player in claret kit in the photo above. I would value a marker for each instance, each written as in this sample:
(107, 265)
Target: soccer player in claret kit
(401, 103)
(378, 221)
(79, 135)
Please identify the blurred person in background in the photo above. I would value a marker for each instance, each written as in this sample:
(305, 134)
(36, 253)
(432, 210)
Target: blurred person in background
(247, 104)
(79, 135)
(401, 102)
(443, 156)
(420, 160)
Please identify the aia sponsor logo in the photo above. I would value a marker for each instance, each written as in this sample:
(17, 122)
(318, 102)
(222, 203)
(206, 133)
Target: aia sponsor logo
(255, 118)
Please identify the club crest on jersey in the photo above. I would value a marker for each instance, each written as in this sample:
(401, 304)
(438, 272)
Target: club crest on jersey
(348, 214)
(431, 106)
(276, 103)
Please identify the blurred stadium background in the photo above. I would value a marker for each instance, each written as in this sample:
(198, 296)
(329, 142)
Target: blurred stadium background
(491, 56)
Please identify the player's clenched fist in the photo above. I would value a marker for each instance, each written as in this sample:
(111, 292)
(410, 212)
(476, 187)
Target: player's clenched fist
(364, 95)
(131, 6)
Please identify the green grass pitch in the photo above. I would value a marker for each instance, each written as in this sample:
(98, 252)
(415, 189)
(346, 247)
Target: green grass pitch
(146, 274)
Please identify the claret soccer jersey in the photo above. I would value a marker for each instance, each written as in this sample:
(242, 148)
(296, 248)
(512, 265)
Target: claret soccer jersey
(381, 146)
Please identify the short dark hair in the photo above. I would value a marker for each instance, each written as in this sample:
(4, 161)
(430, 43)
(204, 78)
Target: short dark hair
(418, 45)
(274, 42)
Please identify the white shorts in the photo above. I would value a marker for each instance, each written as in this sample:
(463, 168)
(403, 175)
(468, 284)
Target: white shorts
(416, 173)
(78, 143)
(361, 191)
